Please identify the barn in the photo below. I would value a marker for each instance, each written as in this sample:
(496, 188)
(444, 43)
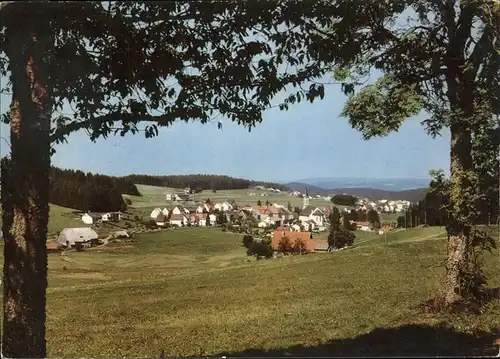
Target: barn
(70, 236)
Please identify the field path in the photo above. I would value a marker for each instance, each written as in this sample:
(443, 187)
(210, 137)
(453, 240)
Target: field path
(412, 240)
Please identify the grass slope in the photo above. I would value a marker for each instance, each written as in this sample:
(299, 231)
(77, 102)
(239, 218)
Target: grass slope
(60, 218)
(193, 292)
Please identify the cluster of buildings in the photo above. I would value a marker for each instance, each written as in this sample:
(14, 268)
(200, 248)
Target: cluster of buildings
(383, 205)
(310, 218)
(98, 217)
(179, 195)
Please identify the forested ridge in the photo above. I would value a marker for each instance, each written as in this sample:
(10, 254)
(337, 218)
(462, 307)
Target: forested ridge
(202, 181)
(88, 191)
(101, 193)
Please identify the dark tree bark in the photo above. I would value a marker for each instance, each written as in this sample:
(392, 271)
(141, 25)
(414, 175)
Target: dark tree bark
(25, 190)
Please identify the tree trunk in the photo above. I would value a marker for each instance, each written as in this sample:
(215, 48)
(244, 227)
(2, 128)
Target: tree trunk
(460, 227)
(25, 191)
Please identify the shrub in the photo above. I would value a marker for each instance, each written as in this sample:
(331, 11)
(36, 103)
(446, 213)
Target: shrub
(247, 240)
(150, 224)
(341, 238)
(299, 247)
(260, 249)
(285, 245)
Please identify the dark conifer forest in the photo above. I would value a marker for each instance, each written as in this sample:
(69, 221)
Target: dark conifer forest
(201, 181)
(101, 193)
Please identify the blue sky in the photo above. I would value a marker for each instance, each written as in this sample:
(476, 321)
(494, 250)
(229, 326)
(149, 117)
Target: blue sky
(308, 140)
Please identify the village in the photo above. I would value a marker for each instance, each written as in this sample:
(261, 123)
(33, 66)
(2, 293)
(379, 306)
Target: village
(270, 220)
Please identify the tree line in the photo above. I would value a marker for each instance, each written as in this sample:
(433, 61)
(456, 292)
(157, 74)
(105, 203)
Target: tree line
(433, 210)
(88, 192)
(344, 200)
(201, 181)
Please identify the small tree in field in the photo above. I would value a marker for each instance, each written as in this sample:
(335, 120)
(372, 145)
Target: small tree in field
(259, 203)
(285, 245)
(299, 247)
(340, 239)
(260, 249)
(247, 240)
(334, 219)
(373, 218)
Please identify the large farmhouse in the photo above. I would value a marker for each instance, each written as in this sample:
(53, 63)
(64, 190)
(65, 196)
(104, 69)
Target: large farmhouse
(311, 245)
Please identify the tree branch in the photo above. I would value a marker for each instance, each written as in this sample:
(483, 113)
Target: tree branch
(480, 49)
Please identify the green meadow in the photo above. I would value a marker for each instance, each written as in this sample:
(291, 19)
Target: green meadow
(194, 292)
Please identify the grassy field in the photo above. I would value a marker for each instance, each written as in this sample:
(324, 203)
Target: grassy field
(155, 197)
(60, 218)
(193, 292)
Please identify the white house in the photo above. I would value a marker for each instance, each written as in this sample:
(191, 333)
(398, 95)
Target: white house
(165, 211)
(295, 228)
(312, 214)
(200, 209)
(155, 212)
(263, 224)
(172, 197)
(179, 220)
(202, 219)
(91, 217)
(268, 222)
(111, 216)
(213, 219)
(205, 207)
(224, 207)
(180, 210)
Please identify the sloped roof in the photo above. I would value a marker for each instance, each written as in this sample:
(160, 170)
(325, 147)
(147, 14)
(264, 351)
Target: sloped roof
(191, 207)
(307, 211)
(321, 245)
(80, 234)
(294, 236)
(161, 217)
(315, 212)
(177, 217)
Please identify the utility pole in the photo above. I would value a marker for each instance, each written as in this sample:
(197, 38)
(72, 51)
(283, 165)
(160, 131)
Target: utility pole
(406, 213)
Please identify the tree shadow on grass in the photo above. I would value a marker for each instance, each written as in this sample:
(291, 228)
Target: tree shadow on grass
(408, 340)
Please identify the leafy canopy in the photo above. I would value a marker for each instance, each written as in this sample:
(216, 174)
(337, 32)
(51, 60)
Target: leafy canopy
(117, 64)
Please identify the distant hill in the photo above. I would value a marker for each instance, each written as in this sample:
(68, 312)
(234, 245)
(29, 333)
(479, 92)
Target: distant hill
(412, 195)
(311, 189)
(387, 184)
